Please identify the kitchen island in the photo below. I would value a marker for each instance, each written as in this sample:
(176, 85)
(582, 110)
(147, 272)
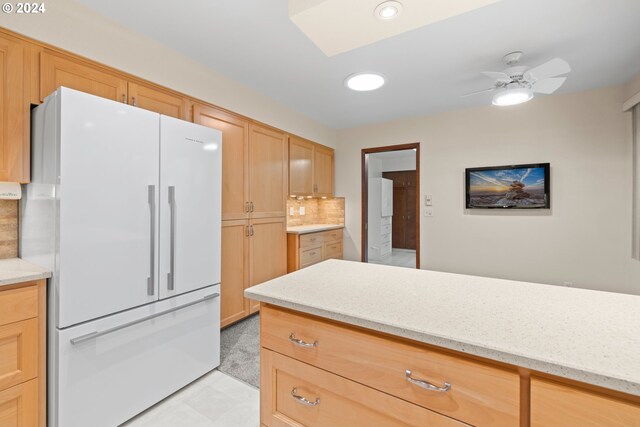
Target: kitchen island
(474, 350)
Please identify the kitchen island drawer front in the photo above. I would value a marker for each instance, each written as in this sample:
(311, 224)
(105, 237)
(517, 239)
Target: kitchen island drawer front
(297, 394)
(310, 256)
(18, 304)
(19, 405)
(554, 404)
(333, 250)
(18, 353)
(479, 394)
(311, 240)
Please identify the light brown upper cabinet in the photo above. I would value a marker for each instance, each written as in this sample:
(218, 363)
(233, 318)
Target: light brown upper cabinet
(56, 71)
(268, 166)
(235, 158)
(310, 168)
(14, 110)
(156, 100)
(300, 167)
(323, 171)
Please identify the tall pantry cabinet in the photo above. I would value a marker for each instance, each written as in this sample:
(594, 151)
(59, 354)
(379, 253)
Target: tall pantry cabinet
(254, 187)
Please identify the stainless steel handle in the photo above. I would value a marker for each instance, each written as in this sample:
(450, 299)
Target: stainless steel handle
(152, 240)
(426, 384)
(172, 238)
(312, 253)
(133, 101)
(246, 233)
(304, 401)
(301, 343)
(251, 226)
(246, 207)
(96, 334)
(251, 207)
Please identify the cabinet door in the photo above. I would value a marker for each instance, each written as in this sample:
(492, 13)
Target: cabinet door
(19, 405)
(14, 142)
(18, 352)
(235, 158)
(56, 71)
(323, 171)
(235, 271)
(156, 100)
(300, 167)
(269, 164)
(268, 251)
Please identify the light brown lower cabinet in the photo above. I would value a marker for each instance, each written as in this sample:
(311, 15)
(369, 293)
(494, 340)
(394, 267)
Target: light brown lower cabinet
(23, 355)
(317, 372)
(304, 250)
(253, 251)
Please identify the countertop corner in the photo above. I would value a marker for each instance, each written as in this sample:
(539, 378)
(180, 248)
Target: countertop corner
(16, 270)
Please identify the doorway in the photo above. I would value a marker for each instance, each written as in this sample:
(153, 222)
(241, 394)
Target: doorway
(391, 206)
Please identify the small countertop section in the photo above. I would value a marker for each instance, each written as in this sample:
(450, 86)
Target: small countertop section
(313, 228)
(589, 336)
(15, 270)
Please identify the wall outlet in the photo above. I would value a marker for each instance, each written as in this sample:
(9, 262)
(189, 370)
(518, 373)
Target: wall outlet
(568, 284)
(428, 212)
(292, 211)
(301, 210)
(428, 200)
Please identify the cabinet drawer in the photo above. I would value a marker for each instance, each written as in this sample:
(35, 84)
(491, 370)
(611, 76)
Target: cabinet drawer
(18, 304)
(332, 235)
(332, 400)
(311, 240)
(19, 405)
(18, 352)
(480, 394)
(333, 250)
(554, 404)
(310, 256)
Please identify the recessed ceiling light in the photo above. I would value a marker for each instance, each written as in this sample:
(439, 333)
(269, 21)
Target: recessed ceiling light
(388, 10)
(363, 82)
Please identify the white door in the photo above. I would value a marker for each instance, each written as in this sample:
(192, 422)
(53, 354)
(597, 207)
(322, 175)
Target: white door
(108, 192)
(190, 206)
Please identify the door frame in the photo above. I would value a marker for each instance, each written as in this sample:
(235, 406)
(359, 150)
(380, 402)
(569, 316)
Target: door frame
(365, 195)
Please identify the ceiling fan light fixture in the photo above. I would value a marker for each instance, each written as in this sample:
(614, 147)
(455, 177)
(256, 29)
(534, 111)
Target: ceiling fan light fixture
(388, 10)
(364, 82)
(512, 96)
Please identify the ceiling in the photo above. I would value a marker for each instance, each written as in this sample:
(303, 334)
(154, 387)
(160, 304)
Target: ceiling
(427, 69)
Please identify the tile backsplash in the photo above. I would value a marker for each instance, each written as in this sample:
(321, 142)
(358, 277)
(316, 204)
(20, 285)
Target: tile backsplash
(8, 229)
(317, 211)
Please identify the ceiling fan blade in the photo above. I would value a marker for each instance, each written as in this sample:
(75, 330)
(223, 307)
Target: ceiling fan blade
(498, 76)
(477, 92)
(552, 68)
(549, 85)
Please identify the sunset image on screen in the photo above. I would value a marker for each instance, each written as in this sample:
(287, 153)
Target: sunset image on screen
(523, 188)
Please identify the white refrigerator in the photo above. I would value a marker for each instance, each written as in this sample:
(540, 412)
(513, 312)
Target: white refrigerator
(124, 207)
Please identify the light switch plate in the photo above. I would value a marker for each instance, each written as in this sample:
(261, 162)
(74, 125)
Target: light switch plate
(292, 211)
(428, 212)
(301, 210)
(428, 200)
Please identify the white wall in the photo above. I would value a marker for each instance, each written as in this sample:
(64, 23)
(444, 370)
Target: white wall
(585, 238)
(398, 164)
(72, 26)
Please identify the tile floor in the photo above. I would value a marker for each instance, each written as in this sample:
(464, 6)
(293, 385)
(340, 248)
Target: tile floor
(399, 258)
(215, 400)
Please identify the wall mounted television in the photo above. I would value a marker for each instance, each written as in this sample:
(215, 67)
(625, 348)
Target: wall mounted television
(508, 187)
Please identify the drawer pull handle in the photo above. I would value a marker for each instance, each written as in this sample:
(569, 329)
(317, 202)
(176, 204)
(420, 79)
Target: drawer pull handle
(301, 343)
(303, 400)
(427, 385)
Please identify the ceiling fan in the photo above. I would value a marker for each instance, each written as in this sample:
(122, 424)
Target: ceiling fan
(518, 83)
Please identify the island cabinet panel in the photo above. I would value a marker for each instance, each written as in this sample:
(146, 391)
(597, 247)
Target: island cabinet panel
(56, 71)
(159, 101)
(480, 394)
(554, 404)
(296, 394)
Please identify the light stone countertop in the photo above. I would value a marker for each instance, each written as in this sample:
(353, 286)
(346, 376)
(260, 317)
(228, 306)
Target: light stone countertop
(15, 270)
(589, 336)
(313, 228)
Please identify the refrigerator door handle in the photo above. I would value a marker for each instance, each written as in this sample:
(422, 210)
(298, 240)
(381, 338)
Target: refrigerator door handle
(152, 239)
(96, 334)
(172, 237)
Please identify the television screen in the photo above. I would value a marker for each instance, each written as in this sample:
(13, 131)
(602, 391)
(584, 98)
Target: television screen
(516, 187)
